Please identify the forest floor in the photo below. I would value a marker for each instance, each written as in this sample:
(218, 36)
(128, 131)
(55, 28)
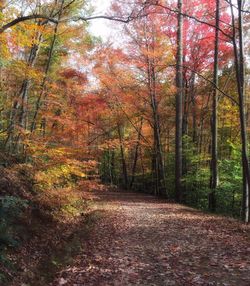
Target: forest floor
(140, 240)
(123, 238)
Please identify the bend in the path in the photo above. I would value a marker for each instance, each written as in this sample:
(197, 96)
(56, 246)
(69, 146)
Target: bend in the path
(140, 240)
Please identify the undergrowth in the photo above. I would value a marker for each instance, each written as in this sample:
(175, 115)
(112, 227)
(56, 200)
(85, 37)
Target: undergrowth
(36, 194)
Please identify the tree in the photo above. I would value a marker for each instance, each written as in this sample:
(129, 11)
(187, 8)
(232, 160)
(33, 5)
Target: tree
(214, 129)
(240, 75)
(179, 98)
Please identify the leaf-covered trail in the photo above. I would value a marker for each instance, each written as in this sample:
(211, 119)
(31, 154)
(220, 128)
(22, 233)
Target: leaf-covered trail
(139, 240)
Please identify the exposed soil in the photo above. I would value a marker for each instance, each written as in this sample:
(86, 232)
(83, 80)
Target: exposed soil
(140, 240)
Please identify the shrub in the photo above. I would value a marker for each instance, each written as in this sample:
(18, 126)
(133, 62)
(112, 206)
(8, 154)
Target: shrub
(10, 209)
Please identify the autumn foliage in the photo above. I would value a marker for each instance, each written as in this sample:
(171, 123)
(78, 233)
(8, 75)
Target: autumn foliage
(77, 111)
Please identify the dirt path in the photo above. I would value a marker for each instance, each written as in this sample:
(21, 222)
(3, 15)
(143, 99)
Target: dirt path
(139, 240)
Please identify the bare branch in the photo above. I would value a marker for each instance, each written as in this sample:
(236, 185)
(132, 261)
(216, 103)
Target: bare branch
(26, 18)
(242, 10)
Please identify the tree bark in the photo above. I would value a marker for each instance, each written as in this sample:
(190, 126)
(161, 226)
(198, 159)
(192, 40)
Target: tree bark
(214, 121)
(240, 74)
(179, 98)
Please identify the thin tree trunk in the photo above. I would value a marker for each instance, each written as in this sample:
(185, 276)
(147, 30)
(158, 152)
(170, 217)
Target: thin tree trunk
(214, 129)
(185, 110)
(111, 165)
(185, 130)
(194, 113)
(160, 172)
(19, 111)
(179, 98)
(136, 155)
(124, 165)
(46, 72)
(157, 160)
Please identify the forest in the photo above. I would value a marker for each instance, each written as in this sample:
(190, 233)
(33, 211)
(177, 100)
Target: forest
(150, 123)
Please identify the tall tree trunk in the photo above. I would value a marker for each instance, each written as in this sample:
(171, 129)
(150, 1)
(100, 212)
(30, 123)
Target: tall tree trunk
(25, 87)
(240, 74)
(157, 159)
(179, 98)
(185, 129)
(19, 110)
(159, 164)
(46, 72)
(214, 121)
(186, 103)
(243, 116)
(194, 113)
